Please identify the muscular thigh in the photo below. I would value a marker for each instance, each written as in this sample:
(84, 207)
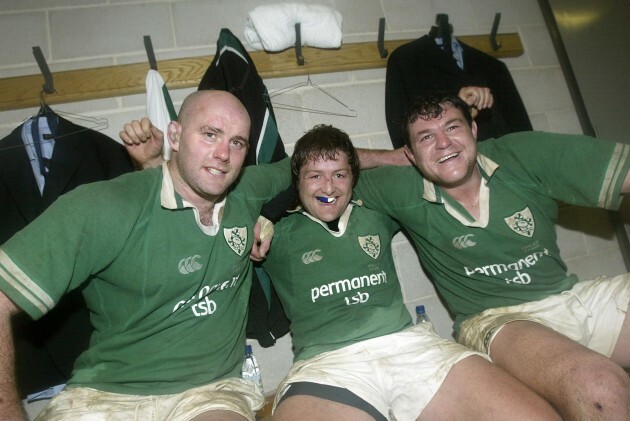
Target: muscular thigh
(538, 355)
(477, 389)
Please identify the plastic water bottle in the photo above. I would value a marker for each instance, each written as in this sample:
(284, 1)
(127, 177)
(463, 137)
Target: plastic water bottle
(421, 315)
(250, 369)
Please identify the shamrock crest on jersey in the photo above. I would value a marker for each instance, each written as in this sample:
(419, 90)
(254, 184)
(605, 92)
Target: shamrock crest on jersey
(236, 238)
(522, 222)
(371, 245)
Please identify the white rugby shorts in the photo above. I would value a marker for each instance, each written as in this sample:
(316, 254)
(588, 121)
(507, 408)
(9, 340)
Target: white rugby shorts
(80, 403)
(400, 372)
(591, 313)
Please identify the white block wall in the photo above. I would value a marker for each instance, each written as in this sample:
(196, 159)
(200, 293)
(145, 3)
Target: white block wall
(76, 34)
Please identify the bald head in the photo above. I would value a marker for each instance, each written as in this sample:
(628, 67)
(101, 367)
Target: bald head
(200, 100)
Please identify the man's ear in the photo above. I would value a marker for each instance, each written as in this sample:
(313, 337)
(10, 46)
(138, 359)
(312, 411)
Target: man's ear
(409, 155)
(174, 131)
(473, 127)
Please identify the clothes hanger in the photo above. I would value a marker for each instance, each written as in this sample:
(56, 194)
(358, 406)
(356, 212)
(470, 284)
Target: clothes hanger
(87, 122)
(44, 112)
(53, 116)
(95, 123)
(307, 84)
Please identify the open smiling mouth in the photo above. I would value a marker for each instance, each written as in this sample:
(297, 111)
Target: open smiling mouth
(326, 199)
(214, 171)
(447, 157)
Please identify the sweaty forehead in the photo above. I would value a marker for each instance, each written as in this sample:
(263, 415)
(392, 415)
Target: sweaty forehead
(322, 163)
(216, 100)
(233, 121)
(448, 113)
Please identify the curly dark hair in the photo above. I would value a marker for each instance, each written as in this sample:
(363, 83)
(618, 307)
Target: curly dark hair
(429, 106)
(323, 142)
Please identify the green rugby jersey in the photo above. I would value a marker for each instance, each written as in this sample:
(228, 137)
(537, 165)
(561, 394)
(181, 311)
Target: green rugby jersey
(510, 255)
(168, 300)
(337, 288)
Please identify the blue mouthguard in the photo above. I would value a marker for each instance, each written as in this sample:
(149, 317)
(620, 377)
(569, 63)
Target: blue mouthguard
(325, 199)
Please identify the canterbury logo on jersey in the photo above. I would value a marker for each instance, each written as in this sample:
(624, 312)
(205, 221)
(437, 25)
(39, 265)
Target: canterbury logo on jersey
(189, 264)
(464, 241)
(311, 257)
(236, 238)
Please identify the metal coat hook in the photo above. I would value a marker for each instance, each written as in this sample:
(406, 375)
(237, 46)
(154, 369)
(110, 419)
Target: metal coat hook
(382, 51)
(150, 54)
(442, 29)
(298, 45)
(49, 85)
(493, 34)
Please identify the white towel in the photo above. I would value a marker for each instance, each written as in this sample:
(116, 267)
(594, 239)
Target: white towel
(272, 27)
(157, 108)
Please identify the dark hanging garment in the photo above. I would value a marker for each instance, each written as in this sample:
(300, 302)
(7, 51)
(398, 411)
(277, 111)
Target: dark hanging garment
(421, 66)
(46, 349)
(80, 156)
(233, 70)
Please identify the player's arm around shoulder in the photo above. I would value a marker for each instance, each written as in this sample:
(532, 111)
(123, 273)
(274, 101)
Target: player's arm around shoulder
(266, 179)
(387, 186)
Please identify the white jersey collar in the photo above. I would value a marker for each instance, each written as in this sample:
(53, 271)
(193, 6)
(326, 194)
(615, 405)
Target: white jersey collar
(169, 199)
(343, 219)
(434, 194)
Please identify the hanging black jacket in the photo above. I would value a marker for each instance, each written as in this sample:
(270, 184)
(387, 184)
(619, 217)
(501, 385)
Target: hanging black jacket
(421, 66)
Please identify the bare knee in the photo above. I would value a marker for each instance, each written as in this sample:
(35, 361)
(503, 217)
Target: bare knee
(602, 389)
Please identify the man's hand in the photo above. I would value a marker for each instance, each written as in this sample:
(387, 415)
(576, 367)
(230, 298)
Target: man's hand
(144, 143)
(263, 233)
(478, 98)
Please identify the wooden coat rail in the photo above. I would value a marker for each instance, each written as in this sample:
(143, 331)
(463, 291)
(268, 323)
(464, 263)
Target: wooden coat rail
(112, 81)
